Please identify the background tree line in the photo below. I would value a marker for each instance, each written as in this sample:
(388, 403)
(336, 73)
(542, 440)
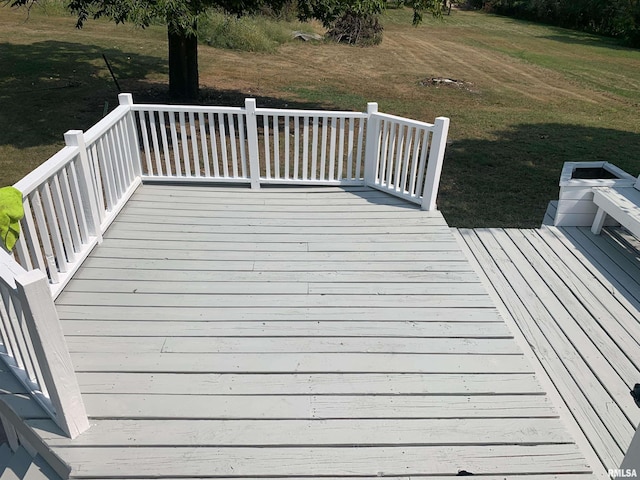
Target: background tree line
(613, 18)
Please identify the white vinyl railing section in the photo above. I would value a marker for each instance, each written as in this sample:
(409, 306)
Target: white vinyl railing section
(404, 157)
(33, 345)
(251, 145)
(72, 198)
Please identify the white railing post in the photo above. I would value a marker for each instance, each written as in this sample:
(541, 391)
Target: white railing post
(434, 165)
(75, 138)
(126, 99)
(371, 145)
(252, 138)
(51, 351)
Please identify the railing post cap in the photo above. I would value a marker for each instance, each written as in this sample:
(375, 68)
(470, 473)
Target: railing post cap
(31, 276)
(372, 107)
(71, 137)
(125, 99)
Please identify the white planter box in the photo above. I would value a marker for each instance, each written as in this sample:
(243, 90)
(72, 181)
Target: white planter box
(575, 205)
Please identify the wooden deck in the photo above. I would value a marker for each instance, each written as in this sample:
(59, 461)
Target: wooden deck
(297, 332)
(575, 297)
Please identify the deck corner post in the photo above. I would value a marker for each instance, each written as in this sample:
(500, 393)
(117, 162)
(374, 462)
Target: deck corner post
(434, 164)
(75, 138)
(125, 99)
(52, 353)
(252, 138)
(371, 145)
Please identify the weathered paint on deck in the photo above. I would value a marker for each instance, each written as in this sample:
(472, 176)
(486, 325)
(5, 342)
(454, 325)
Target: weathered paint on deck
(575, 296)
(303, 332)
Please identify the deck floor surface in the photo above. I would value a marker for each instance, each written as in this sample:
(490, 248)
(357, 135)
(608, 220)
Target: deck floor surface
(575, 297)
(297, 332)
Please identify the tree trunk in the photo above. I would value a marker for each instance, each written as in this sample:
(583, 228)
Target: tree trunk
(183, 65)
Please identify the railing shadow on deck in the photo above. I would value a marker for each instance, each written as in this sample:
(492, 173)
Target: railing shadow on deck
(613, 256)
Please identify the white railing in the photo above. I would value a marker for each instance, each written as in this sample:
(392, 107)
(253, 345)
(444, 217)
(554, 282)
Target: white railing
(310, 146)
(72, 198)
(404, 157)
(33, 345)
(252, 145)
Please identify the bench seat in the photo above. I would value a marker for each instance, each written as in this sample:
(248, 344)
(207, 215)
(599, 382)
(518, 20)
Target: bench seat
(621, 203)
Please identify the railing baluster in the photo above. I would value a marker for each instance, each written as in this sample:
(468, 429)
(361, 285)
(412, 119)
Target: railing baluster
(223, 144)
(71, 212)
(145, 141)
(276, 146)
(203, 142)
(424, 149)
(194, 145)
(287, 146)
(243, 152)
(341, 149)
(175, 145)
(399, 157)
(5, 315)
(414, 163)
(53, 227)
(22, 251)
(314, 149)
(165, 143)
(267, 150)
(296, 151)
(407, 159)
(360, 145)
(186, 160)
(214, 145)
(332, 149)
(154, 139)
(77, 201)
(305, 148)
(232, 142)
(96, 169)
(323, 150)
(62, 220)
(121, 151)
(350, 150)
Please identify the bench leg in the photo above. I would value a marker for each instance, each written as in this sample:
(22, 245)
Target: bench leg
(598, 222)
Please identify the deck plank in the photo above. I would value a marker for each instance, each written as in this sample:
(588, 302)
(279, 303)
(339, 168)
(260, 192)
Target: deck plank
(305, 384)
(300, 433)
(559, 286)
(372, 461)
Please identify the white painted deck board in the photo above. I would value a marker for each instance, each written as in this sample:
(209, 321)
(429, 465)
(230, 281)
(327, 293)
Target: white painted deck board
(296, 333)
(487, 384)
(333, 433)
(439, 345)
(565, 291)
(372, 461)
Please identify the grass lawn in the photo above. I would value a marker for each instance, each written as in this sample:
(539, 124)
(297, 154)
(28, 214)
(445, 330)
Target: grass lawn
(534, 96)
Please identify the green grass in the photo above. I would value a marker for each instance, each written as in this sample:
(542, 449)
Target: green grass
(537, 96)
(250, 34)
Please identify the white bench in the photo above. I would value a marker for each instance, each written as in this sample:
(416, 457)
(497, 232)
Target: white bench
(622, 203)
